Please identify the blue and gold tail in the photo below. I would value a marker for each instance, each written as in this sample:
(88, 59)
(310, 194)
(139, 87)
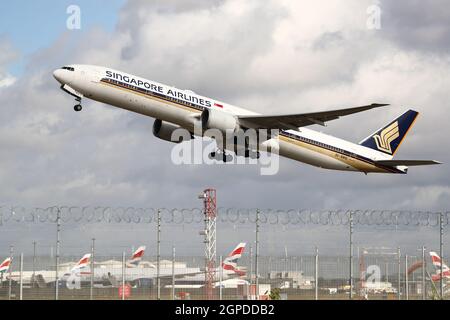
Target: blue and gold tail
(389, 138)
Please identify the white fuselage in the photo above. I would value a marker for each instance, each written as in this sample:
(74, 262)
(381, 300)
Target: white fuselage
(185, 274)
(182, 107)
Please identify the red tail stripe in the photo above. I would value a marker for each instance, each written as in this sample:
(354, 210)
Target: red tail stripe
(237, 251)
(228, 267)
(4, 264)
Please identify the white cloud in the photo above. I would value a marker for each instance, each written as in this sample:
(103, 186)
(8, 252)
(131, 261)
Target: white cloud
(7, 55)
(6, 81)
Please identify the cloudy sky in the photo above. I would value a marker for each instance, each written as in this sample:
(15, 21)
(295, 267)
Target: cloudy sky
(268, 56)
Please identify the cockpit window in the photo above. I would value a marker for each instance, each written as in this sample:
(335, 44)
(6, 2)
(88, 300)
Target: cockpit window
(68, 68)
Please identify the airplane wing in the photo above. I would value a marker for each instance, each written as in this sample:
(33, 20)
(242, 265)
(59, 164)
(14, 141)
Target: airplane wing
(408, 163)
(294, 121)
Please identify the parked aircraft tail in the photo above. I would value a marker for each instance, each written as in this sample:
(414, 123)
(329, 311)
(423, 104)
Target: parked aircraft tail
(230, 262)
(5, 265)
(437, 265)
(136, 257)
(84, 262)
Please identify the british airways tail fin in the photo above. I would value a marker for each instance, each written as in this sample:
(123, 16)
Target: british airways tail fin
(83, 263)
(437, 266)
(136, 257)
(388, 139)
(5, 265)
(230, 262)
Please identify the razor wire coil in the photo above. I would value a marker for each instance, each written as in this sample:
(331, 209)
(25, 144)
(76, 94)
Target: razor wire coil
(135, 215)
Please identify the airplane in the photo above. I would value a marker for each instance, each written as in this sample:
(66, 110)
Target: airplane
(173, 109)
(82, 269)
(136, 257)
(4, 267)
(81, 264)
(47, 277)
(228, 269)
(229, 264)
(436, 259)
(136, 271)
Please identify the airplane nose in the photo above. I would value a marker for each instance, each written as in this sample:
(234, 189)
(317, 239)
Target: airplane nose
(58, 74)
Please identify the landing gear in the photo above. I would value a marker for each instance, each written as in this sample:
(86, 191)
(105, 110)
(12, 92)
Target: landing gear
(220, 156)
(252, 154)
(78, 106)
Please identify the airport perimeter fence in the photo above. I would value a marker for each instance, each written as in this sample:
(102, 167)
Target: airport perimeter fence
(290, 254)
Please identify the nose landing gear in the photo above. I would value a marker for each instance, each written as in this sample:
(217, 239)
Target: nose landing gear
(78, 106)
(66, 88)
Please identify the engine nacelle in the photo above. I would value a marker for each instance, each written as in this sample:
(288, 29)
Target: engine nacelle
(164, 131)
(215, 119)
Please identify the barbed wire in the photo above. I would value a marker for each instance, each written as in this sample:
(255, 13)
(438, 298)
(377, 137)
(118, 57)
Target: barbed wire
(91, 214)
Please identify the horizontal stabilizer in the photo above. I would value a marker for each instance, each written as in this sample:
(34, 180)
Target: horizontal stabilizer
(408, 163)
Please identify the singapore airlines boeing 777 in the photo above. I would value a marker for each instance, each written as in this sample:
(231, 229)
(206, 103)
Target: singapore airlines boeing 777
(173, 109)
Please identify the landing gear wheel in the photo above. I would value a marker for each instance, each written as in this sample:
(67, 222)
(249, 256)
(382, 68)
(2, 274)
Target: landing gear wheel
(227, 157)
(212, 155)
(77, 107)
(252, 154)
(255, 155)
(220, 156)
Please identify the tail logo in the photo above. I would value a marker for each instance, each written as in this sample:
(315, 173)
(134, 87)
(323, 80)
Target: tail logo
(386, 136)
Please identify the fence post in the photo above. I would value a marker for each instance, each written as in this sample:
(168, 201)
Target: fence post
(351, 256)
(220, 278)
(251, 265)
(256, 255)
(158, 248)
(123, 275)
(91, 292)
(173, 272)
(21, 278)
(316, 275)
(58, 226)
(398, 273)
(441, 250)
(424, 266)
(11, 249)
(34, 262)
(406, 278)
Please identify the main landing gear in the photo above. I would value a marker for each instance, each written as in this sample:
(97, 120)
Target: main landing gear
(220, 155)
(78, 106)
(252, 154)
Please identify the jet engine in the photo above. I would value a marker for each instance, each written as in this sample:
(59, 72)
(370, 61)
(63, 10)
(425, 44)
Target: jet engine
(164, 131)
(215, 119)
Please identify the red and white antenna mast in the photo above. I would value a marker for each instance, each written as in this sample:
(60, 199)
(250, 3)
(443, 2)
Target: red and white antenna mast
(210, 211)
